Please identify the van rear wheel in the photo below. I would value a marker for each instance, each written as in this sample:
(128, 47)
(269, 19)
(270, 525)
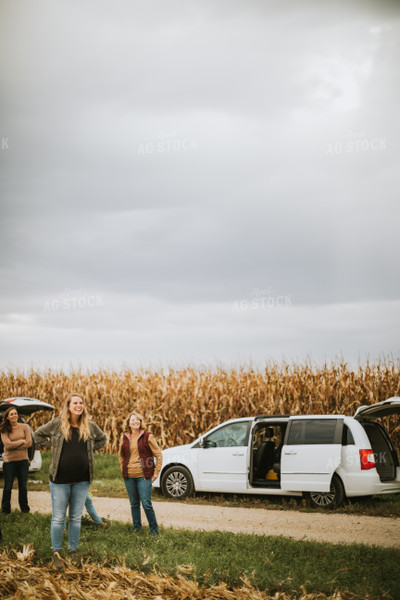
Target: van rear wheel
(332, 499)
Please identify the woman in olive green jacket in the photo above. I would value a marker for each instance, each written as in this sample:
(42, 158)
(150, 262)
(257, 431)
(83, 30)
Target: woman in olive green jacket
(74, 438)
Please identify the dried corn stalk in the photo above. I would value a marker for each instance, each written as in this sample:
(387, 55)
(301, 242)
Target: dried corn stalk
(24, 579)
(179, 405)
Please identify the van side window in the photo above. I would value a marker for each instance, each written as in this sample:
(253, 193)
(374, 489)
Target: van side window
(312, 431)
(233, 434)
(347, 439)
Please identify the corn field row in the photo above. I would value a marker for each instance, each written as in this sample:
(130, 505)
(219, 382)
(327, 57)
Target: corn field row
(180, 404)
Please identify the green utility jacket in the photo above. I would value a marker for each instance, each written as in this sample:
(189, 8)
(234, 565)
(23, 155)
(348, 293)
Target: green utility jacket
(50, 435)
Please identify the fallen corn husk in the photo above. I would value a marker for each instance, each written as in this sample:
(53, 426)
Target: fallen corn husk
(21, 578)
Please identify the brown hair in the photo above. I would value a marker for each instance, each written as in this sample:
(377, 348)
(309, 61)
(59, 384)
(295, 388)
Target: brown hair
(5, 426)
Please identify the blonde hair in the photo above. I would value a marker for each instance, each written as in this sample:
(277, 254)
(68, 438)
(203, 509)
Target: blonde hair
(125, 425)
(83, 421)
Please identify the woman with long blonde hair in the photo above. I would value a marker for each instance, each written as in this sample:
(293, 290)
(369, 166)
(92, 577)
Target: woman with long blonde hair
(73, 438)
(141, 460)
(80, 421)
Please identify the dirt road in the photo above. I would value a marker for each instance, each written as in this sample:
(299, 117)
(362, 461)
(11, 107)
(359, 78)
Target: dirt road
(321, 527)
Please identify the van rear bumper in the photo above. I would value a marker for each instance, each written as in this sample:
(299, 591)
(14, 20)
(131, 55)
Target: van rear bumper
(367, 483)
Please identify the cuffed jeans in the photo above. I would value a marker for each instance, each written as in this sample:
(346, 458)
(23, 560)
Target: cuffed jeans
(18, 469)
(64, 495)
(91, 510)
(139, 490)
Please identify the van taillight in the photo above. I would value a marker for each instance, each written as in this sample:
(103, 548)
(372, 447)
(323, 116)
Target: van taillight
(367, 459)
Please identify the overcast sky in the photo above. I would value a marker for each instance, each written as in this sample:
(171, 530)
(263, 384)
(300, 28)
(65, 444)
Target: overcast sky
(205, 182)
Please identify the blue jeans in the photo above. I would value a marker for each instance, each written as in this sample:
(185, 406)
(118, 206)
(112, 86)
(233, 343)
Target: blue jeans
(139, 490)
(18, 469)
(91, 510)
(64, 495)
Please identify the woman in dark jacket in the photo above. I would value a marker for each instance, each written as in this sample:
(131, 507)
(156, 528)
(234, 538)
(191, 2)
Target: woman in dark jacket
(74, 438)
(141, 460)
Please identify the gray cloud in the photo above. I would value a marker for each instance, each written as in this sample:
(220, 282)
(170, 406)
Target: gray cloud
(174, 159)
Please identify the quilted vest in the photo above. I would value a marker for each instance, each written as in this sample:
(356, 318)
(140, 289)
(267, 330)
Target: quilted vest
(145, 453)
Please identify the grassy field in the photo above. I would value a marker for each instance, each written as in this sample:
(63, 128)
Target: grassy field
(180, 405)
(272, 564)
(275, 564)
(108, 482)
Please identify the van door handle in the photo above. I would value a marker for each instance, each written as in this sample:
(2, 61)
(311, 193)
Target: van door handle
(290, 452)
(238, 454)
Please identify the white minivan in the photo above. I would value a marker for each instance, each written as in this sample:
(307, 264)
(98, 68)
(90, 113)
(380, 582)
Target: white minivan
(325, 458)
(26, 407)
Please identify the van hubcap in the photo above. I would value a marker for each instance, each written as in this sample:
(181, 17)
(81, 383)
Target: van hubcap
(176, 484)
(323, 499)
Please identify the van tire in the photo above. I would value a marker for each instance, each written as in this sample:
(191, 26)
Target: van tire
(177, 483)
(332, 499)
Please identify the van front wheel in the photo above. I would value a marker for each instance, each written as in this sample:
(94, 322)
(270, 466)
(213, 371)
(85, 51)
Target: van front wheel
(177, 483)
(332, 499)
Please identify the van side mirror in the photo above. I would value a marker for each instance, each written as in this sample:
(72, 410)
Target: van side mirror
(201, 443)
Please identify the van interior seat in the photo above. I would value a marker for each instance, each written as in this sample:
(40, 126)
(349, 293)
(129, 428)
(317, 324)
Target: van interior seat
(264, 459)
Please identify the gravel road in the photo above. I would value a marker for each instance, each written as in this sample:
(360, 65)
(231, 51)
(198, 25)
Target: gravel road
(333, 528)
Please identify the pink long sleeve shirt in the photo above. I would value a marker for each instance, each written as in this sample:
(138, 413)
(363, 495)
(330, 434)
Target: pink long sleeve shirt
(16, 443)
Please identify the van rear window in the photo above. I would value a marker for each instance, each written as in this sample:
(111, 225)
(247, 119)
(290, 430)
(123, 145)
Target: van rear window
(348, 438)
(312, 431)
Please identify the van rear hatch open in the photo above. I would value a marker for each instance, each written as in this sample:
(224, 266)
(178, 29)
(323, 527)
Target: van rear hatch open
(386, 459)
(25, 406)
(379, 409)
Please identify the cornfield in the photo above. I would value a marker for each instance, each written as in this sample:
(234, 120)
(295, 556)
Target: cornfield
(179, 405)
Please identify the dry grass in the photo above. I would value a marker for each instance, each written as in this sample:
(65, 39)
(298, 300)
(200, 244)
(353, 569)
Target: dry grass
(22, 579)
(179, 405)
